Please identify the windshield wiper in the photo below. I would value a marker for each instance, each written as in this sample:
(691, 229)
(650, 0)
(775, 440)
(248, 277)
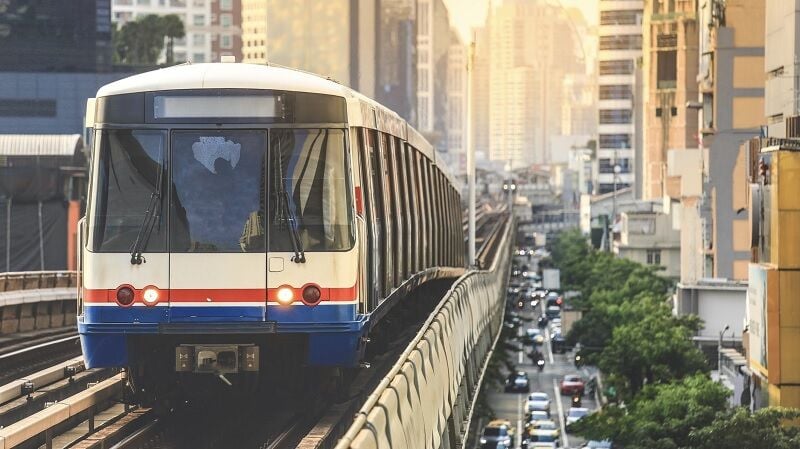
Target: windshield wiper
(284, 214)
(151, 217)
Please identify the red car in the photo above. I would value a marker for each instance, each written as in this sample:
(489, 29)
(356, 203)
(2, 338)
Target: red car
(572, 384)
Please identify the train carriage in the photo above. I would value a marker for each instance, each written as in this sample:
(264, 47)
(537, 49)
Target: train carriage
(242, 213)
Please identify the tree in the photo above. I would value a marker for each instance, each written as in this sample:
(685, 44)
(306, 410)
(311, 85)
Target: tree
(654, 349)
(173, 28)
(140, 42)
(661, 417)
(738, 428)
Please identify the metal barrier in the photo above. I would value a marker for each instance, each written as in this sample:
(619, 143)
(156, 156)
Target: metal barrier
(28, 280)
(425, 400)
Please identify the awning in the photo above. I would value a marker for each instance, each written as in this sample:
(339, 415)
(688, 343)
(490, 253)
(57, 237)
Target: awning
(27, 145)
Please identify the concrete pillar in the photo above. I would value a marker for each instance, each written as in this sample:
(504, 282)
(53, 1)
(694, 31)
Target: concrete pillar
(57, 314)
(70, 312)
(41, 313)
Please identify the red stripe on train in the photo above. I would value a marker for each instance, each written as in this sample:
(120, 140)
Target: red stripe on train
(255, 295)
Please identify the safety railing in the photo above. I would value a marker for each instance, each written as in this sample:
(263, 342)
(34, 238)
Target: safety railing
(29, 280)
(425, 400)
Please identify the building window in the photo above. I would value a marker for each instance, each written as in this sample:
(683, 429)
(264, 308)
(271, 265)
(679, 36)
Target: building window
(226, 20)
(199, 57)
(616, 92)
(226, 41)
(199, 20)
(653, 257)
(28, 107)
(615, 141)
(422, 19)
(199, 3)
(180, 56)
(624, 17)
(143, 2)
(615, 116)
(123, 2)
(621, 42)
(177, 3)
(198, 40)
(667, 69)
(618, 67)
(226, 5)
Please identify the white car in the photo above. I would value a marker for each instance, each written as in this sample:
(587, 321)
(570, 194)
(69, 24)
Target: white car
(538, 401)
(575, 414)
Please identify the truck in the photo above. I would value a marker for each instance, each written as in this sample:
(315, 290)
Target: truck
(551, 278)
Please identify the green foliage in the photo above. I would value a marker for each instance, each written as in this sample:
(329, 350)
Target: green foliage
(661, 417)
(140, 42)
(738, 428)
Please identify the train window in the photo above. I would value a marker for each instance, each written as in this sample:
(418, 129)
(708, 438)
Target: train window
(218, 180)
(373, 212)
(413, 217)
(308, 190)
(381, 188)
(397, 209)
(390, 212)
(129, 165)
(405, 206)
(419, 210)
(429, 192)
(441, 244)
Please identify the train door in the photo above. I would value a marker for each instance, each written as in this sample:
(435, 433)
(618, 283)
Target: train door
(217, 241)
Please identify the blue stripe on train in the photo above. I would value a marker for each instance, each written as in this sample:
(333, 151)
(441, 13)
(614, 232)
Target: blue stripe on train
(292, 314)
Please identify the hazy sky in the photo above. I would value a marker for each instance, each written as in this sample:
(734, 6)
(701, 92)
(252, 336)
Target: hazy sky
(465, 14)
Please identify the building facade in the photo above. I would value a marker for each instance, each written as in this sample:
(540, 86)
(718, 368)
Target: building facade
(671, 54)
(78, 37)
(457, 103)
(479, 77)
(433, 45)
(731, 82)
(647, 237)
(396, 58)
(213, 27)
(620, 48)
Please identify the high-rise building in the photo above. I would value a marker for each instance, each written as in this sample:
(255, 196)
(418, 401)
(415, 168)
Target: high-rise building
(620, 47)
(213, 27)
(671, 55)
(479, 76)
(457, 103)
(433, 43)
(732, 91)
(532, 47)
(396, 44)
(55, 36)
(578, 110)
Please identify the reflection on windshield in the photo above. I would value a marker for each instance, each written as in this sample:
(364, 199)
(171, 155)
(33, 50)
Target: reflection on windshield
(308, 190)
(217, 180)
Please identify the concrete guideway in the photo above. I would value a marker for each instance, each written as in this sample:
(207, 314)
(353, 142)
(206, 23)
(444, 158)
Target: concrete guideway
(425, 401)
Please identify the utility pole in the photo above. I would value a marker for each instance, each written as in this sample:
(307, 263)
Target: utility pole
(470, 157)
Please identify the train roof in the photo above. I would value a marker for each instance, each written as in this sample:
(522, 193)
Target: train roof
(227, 75)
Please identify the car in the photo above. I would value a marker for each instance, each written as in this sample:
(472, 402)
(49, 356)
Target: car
(540, 293)
(545, 431)
(558, 343)
(535, 336)
(605, 444)
(575, 414)
(555, 332)
(553, 312)
(537, 415)
(497, 434)
(539, 445)
(538, 401)
(517, 382)
(572, 384)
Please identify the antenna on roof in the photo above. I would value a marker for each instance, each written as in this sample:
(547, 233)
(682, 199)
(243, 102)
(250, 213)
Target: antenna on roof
(227, 59)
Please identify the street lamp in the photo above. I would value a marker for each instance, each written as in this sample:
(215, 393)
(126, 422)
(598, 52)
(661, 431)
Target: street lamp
(617, 170)
(719, 353)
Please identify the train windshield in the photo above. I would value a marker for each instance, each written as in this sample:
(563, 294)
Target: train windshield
(127, 167)
(226, 191)
(234, 193)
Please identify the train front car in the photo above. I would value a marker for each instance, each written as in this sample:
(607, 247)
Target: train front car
(220, 230)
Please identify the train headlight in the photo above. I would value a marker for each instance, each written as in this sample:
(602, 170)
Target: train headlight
(150, 296)
(311, 295)
(125, 296)
(285, 295)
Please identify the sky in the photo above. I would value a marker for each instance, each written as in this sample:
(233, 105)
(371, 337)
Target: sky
(466, 14)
